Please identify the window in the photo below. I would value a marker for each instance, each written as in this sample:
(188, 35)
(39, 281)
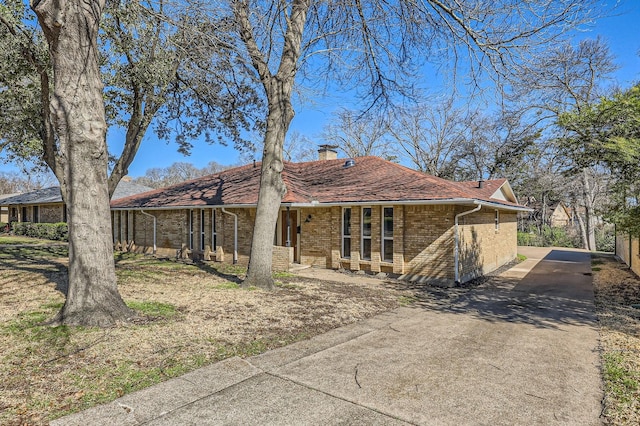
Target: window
(387, 234)
(214, 235)
(201, 229)
(497, 220)
(366, 233)
(24, 214)
(190, 229)
(123, 226)
(346, 232)
(129, 226)
(36, 214)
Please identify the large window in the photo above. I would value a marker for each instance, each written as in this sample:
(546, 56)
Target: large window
(214, 234)
(387, 234)
(190, 229)
(202, 229)
(366, 233)
(346, 232)
(36, 214)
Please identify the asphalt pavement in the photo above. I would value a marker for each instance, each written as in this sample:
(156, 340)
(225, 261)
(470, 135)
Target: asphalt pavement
(520, 350)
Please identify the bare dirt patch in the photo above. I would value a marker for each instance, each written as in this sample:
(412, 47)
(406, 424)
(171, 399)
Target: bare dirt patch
(190, 315)
(617, 297)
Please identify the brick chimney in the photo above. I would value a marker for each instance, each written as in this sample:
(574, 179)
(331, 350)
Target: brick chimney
(327, 152)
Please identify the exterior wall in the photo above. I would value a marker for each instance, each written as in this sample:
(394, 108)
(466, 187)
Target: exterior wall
(282, 258)
(4, 214)
(47, 213)
(423, 242)
(53, 213)
(423, 239)
(483, 248)
(559, 217)
(628, 250)
(320, 237)
(133, 231)
(428, 244)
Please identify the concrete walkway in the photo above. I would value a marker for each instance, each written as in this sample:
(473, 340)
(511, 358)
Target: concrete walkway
(520, 350)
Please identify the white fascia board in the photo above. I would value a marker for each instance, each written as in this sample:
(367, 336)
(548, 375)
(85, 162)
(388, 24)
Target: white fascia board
(206, 206)
(450, 201)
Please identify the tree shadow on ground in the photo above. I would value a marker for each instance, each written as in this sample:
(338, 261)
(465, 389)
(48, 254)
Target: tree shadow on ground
(38, 259)
(543, 298)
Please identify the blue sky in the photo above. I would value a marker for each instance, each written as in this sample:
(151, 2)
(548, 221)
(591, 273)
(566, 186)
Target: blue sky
(620, 31)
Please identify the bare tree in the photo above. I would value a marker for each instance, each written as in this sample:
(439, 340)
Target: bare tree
(569, 78)
(431, 136)
(298, 147)
(160, 177)
(359, 135)
(375, 48)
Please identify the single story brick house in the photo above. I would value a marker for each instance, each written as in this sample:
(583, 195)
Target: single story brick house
(363, 214)
(46, 206)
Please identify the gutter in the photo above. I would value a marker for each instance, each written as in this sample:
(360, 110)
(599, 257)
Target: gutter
(456, 243)
(235, 234)
(155, 219)
(447, 201)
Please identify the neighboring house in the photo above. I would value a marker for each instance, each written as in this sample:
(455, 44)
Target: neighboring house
(46, 206)
(561, 216)
(556, 214)
(360, 214)
(4, 210)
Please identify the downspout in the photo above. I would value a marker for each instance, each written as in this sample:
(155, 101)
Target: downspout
(154, 228)
(456, 243)
(235, 234)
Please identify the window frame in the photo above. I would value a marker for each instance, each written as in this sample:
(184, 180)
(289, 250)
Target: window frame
(214, 233)
(364, 237)
(497, 220)
(383, 238)
(190, 229)
(344, 236)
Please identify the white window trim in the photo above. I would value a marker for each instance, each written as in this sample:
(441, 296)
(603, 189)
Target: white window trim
(190, 229)
(122, 226)
(383, 238)
(362, 236)
(130, 226)
(202, 229)
(214, 234)
(343, 236)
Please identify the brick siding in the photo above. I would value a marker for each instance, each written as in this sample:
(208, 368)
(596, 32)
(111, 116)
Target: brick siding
(423, 239)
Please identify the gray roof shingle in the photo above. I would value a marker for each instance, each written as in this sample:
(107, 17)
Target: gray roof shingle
(52, 194)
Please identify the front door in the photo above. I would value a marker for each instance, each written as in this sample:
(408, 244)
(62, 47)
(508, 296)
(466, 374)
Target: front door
(290, 231)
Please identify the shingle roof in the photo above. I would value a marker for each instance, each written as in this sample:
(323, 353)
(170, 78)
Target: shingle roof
(489, 188)
(370, 179)
(53, 195)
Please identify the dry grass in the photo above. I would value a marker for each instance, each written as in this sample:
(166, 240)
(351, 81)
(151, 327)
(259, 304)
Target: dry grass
(617, 292)
(191, 315)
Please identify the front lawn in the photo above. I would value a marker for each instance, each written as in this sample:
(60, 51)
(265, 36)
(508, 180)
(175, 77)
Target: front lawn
(617, 297)
(190, 315)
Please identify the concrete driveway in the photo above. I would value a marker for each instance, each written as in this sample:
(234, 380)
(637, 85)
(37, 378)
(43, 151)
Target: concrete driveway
(520, 350)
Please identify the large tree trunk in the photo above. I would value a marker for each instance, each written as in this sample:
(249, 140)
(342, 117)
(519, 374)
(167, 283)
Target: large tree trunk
(272, 189)
(588, 197)
(78, 115)
(278, 89)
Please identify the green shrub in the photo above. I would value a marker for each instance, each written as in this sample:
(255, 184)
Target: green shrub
(548, 237)
(45, 231)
